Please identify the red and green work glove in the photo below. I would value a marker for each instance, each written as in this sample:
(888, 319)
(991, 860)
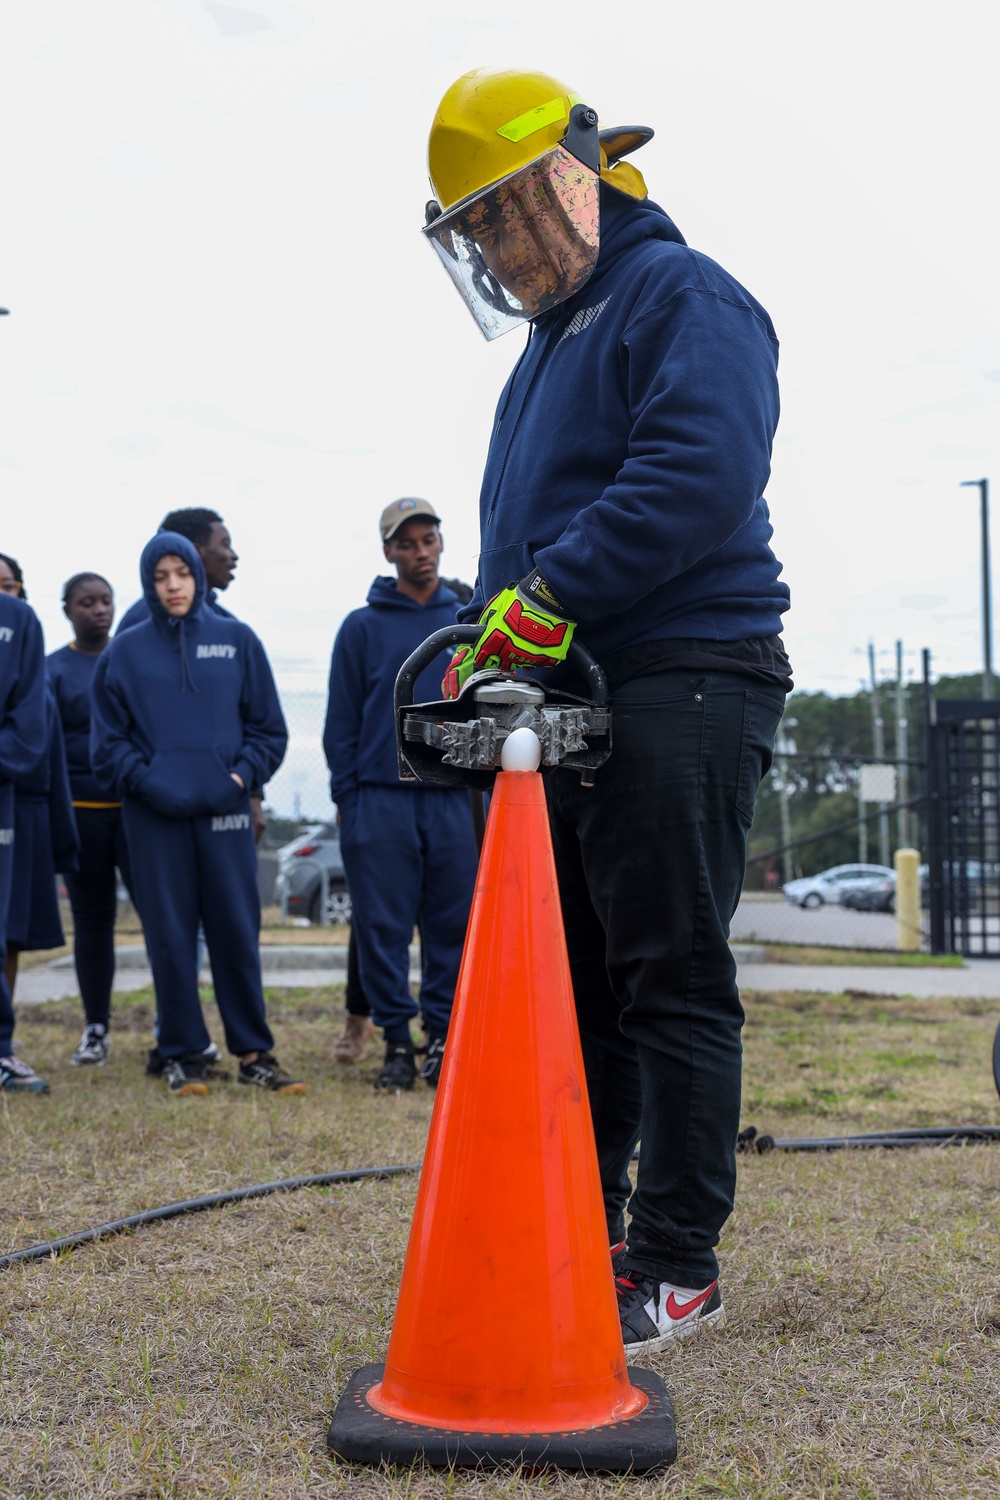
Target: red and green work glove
(523, 626)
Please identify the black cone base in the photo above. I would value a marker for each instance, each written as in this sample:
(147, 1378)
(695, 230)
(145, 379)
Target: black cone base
(638, 1445)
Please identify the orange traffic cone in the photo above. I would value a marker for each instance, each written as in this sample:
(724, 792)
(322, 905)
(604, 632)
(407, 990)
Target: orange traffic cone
(506, 1346)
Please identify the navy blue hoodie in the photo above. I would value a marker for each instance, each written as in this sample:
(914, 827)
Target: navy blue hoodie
(632, 446)
(71, 675)
(372, 644)
(179, 704)
(48, 783)
(23, 736)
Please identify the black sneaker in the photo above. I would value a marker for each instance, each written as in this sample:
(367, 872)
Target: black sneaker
(655, 1313)
(618, 1254)
(399, 1069)
(155, 1062)
(267, 1073)
(430, 1070)
(185, 1075)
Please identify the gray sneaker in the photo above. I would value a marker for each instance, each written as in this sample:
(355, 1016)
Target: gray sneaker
(94, 1048)
(17, 1077)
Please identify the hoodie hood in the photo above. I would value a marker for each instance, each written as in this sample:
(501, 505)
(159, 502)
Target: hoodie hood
(171, 543)
(384, 594)
(625, 223)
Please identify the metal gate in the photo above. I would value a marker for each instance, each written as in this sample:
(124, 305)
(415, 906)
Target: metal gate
(964, 827)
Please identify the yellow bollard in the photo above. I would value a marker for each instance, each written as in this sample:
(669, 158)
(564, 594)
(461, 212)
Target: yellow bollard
(907, 862)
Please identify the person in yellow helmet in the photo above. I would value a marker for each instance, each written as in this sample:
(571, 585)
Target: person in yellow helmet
(623, 498)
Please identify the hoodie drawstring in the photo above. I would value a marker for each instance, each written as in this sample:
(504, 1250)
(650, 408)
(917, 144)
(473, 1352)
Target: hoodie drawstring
(186, 677)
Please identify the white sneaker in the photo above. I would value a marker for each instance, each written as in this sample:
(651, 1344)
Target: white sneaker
(654, 1313)
(17, 1076)
(94, 1048)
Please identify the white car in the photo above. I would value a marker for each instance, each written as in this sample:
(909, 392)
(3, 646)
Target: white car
(828, 887)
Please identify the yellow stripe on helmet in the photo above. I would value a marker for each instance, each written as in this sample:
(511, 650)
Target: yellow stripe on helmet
(534, 119)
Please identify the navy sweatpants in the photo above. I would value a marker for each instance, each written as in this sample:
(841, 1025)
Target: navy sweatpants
(184, 869)
(410, 856)
(6, 872)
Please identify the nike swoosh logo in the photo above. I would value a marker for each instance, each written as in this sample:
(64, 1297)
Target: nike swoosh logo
(677, 1309)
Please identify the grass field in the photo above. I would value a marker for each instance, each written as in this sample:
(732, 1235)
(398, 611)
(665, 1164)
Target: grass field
(203, 1357)
(877, 958)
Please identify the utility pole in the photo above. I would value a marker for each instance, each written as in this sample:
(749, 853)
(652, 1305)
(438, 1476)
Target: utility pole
(902, 751)
(784, 747)
(878, 735)
(983, 486)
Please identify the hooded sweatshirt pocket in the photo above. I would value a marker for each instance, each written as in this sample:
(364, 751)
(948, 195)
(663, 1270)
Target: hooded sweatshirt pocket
(186, 783)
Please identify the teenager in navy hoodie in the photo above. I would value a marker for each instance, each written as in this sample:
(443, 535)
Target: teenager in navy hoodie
(185, 719)
(623, 495)
(89, 605)
(22, 748)
(409, 851)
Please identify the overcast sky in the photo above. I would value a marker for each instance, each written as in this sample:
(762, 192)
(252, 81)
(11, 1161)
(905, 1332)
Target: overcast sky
(220, 294)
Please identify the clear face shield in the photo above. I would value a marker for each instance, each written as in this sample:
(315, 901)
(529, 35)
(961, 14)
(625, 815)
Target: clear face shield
(525, 243)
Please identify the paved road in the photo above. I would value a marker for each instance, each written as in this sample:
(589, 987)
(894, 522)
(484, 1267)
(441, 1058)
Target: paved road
(292, 967)
(978, 980)
(827, 927)
(303, 967)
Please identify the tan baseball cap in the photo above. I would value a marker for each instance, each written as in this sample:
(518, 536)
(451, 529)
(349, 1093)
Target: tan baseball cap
(398, 511)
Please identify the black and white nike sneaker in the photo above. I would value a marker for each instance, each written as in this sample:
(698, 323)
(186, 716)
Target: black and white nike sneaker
(654, 1313)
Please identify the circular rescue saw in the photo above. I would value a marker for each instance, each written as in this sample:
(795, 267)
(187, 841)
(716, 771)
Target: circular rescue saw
(458, 741)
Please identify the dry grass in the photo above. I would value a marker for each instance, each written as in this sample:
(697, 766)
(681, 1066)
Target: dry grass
(870, 958)
(203, 1357)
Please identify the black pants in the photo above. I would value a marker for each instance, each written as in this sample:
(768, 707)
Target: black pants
(93, 895)
(650, 865)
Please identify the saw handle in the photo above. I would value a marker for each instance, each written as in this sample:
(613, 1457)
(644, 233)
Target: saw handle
(578, 657)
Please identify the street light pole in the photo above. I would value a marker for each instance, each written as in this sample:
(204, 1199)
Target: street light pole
(983, 486)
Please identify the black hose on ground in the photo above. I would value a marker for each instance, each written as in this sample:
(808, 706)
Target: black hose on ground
(938, 1135)
(193, 1206)
(748, 1140)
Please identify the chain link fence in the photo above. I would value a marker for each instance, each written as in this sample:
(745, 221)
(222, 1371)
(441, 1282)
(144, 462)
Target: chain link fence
(820, 867)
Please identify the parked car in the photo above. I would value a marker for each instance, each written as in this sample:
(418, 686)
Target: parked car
(872, 895)
(830, 886)
(299, 883)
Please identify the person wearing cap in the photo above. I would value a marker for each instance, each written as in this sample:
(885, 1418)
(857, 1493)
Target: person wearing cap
(623, 501)
(409, 850)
